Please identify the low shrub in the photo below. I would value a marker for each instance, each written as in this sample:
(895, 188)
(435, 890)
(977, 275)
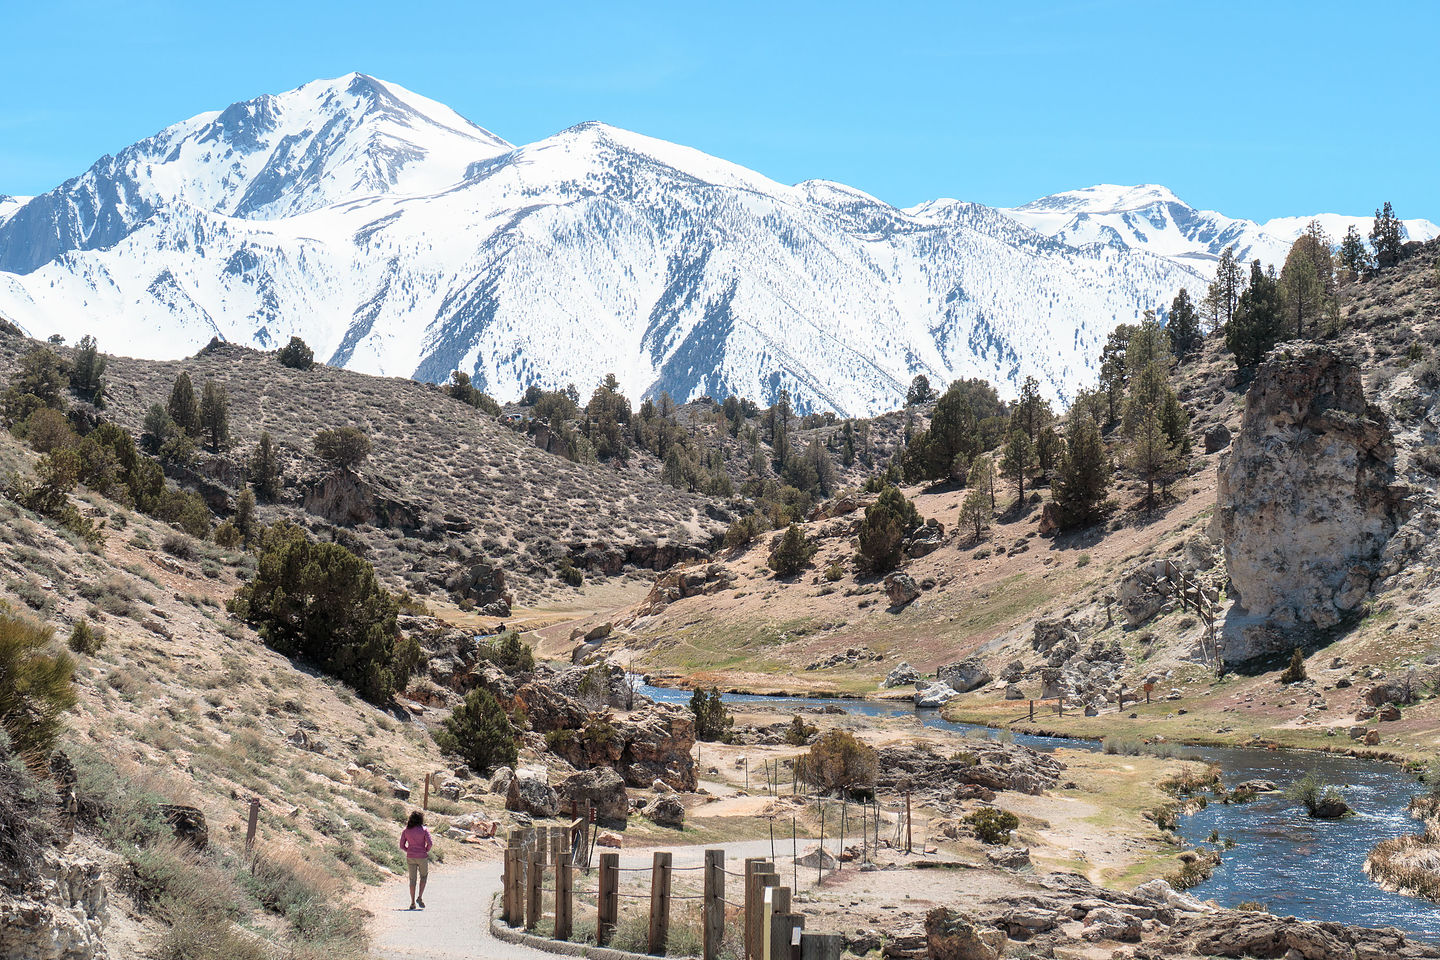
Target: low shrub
(839, 760)
(992, 825)
(86, 639)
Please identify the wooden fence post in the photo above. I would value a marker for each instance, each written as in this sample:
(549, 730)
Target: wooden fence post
(660, 903)
(253, 824)
(425, 803)
(564, 891)
(608, 902)
(542, 843)
(756, 870)
(713, 915)
(820, 946)
(559, 843)
(777, 903)
(908, 837)
(782, 927)
(797, 927)
(1032, 709)
(535, 877)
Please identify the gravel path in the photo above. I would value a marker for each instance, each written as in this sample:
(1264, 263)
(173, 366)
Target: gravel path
(456, 921)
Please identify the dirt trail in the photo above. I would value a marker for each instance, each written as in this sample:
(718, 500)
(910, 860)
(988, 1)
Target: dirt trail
(456, 921)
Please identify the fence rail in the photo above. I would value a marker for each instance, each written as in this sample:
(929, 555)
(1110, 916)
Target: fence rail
(771, 928)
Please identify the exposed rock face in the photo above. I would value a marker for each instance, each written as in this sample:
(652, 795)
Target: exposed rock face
(668, 811)
(679, 584)
(603, 790)
(969, 674)
(532, 796)
(982, 763)
(59, 915)
(950, 935)
(601, 685)
(347, 498)
(902, 676)
(483, 583)
(647, 746)
(1307, 499)
(901, 588)
(1235, 934)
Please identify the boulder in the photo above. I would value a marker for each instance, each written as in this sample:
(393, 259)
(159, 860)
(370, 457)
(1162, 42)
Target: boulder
(1023, 922)
(1009, 858)
(1160, 893)
(1050, 517)
(1143, 592)
(1013, 692)
(533, 797)
(1234, 933)
(925, 539)
(901, 588)
(935, 695)
(667, 811)
(1108, 923)
(1307, 500)
(500, 780)
(969, 674)
(600, 789)
(187, 824)
(1217, 438)
(60, 914)
(902, 676)
(1330, 808)
(1388, 713)
(951, 935)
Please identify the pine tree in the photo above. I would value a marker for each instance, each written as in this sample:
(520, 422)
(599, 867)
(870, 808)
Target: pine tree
(1308, 278)
(1083, 480)
(38, 381)
(1018, 460)
(1387, 236)
(790, 551)
(982, 478)
(157, 428)
(296, 355)
(975, 511)
(265, 469)
(183, 408)
(244, 519)
(215, 416)
(1258, 322)
(1032, 410)
(87, 376)
(920, 391)
(1152, 455)
(1354, 256)
(887, 522)
(1223, 297)
(1184, 325)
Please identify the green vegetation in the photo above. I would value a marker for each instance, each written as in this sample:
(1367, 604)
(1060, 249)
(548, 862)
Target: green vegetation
(86, 639)
(882, 533)
(839, 761)
(320, 602)
(463, 390)
(296, 354)
(791, 551)
(1315, 795)
(479, 731)
(265, 469)
(992, 825)
(509, 653)
(344, 448)
(1295, 672)
(712, 717)
(35, 685)
(1083, 479)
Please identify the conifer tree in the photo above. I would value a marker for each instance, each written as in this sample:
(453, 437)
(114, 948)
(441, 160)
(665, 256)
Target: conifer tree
(215, 416)
(975, 511)
(1018, 460)
(265, 469)
(183, 407)
(1308, 279)
(87, 376)
(1258, 321)
(1083, 479)
(1184, 325)
(244, 519)
(1224, 295)
(920, 391)
(1354, 256)
(38, 381)
(887, 522)
(1387, 236)
(982, 478)
(1152, 455)
(1032, 410)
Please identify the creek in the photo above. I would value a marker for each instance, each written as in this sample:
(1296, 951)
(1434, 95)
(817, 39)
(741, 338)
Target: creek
(1281, 858)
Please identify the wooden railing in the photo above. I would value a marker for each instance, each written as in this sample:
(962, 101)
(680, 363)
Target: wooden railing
(771, 928)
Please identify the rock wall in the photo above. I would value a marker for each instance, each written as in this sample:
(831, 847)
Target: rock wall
(1307, 500)
(58, 915)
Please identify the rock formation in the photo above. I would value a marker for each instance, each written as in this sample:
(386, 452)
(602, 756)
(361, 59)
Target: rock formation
(1307, 499)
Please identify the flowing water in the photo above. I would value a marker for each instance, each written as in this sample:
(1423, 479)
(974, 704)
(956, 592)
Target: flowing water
(1281, 858)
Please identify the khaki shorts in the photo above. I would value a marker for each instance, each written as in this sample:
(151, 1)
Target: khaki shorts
(418, 868)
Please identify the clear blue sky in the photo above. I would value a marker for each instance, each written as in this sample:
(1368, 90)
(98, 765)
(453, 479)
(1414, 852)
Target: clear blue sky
(1254, 109)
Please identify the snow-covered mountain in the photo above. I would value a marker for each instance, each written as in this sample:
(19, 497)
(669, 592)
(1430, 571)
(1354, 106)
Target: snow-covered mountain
(398, 238)
(1149, 217)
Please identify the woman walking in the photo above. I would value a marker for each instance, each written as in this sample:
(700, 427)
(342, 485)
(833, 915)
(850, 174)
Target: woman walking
(415, 840)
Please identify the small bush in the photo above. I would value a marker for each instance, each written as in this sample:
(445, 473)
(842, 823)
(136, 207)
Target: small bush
(992, 825)
(712, 717)
(344, 447)
(509, 653)
(799, 732)
(839, 760)
(834, 572)
(296, 354)
(86, 639)
(479, 731)
(35, 685)
(178, 546)
(1296, 671)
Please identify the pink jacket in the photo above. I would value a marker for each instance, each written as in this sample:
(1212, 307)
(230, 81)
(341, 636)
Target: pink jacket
(416, 843)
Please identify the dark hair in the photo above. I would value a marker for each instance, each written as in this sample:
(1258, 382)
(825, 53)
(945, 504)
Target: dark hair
(417, 819)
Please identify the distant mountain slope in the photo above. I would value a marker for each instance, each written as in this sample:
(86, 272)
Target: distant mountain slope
(1151, 218)
(398, 238)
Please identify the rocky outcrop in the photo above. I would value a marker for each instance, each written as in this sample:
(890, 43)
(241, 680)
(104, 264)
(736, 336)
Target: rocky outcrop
(1307, 500)
(600, 685)
(951, 935)
(347, 498)
(483, 583)
(981, 763)
(532, 796)
(924, 539)
(679, 584)
(654, 744)
(902, 676)
(59, 914)
(935, 695)
(601, 790)
(966, 675)
(1233, 933)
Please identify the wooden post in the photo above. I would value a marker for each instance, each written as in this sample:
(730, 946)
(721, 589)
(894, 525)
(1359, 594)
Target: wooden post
(542, 843)
(908, 838)
(777, 903)
(820, 946)
(782, 927)
(797, 928)
(747, 774)
(425, 803)
(756, 870)
(559, 843)
(564, 891)
(608, 902)
(535, 877)
(713, 914)
(844, 812)
(1032, 709)
(253, 825)
(660, 903)
(507, 897)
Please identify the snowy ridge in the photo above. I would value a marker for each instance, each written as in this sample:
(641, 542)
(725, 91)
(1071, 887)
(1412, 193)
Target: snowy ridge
(398, 238)
(1151, 218)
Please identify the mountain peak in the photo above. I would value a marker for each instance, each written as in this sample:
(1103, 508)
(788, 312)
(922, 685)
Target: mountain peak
(1103, 198)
